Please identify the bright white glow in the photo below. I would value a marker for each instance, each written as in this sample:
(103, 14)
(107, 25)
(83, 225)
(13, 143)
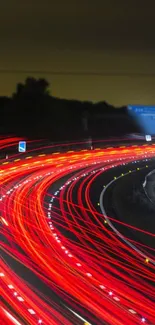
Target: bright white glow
(143, 320)
(2, 274)
(148, 137)
(20, 298)
(78, 264)
(84, 320)
(39, 321)
(13, 319)
(10, 286)
(4, 221)
(31, 311)
(15, 293)
(116, 298)
(89, 274)
(110, 293)
(132, 311)
(101, 286)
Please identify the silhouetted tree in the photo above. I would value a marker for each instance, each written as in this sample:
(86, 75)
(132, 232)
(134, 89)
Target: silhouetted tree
(33, 111)
(30, 105)
(32, 88)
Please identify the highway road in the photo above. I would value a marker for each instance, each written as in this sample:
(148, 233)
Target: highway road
(61, 261)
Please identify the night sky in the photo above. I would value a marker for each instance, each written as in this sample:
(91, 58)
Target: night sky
(97, 50)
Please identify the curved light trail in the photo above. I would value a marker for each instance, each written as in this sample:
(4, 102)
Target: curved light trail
(55, 232)
(113, 227)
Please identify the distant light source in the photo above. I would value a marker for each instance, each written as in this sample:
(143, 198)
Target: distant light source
(143, 320)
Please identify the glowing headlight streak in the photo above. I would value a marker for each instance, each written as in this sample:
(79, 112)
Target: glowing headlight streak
(11, 318)
(4, 221)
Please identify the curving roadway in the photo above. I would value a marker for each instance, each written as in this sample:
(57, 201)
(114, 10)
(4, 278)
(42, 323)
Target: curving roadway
(61, 261)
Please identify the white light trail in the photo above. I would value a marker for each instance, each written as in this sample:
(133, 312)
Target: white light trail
(12, 318)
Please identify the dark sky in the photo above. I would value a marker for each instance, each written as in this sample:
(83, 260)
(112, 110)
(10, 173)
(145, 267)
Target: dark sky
(114, 39)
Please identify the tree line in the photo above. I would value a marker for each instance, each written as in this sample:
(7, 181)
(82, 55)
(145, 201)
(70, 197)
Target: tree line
(32, 111)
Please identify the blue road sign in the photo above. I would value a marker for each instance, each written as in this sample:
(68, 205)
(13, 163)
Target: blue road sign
(22, 146)
(144, 117)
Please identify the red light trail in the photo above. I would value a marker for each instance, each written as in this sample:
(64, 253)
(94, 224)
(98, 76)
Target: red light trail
(62, 237)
